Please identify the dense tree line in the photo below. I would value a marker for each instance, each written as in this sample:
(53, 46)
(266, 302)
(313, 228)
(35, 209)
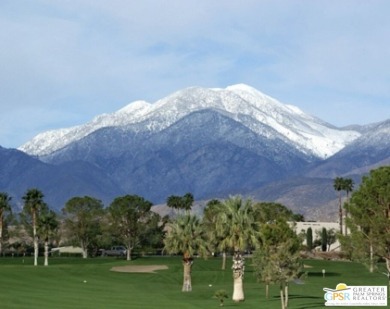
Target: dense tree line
(83, 222)
(231, 227)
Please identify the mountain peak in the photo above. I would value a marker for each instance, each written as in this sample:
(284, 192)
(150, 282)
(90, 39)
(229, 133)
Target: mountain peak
(259, 112)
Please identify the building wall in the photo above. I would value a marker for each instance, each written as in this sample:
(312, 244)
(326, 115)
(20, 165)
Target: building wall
(317, 226)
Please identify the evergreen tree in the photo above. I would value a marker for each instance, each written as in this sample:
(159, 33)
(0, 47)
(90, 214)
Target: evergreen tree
(309, 239)
(369, 219)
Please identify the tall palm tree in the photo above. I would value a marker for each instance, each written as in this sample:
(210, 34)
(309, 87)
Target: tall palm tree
(236, 222)
(187, 201)
(210, 219)
(347, 187)
(5, 206)
(179, 203)
(33, 204)
(338, 185)
(186, 235)
(48, 225)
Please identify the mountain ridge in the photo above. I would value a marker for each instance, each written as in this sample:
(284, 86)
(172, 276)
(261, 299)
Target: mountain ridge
(210, 142)
(308, 133)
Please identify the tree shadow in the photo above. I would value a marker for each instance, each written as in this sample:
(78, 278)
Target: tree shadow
(320, 274)
(312, 305)
(315, 304)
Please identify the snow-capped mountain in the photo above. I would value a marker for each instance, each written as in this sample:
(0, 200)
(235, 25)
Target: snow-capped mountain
(260, 113)
(210, 142)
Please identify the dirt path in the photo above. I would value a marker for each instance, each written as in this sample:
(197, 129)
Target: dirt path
(139, 268)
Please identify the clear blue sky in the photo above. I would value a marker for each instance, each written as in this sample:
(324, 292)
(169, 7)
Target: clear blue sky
(64, 62)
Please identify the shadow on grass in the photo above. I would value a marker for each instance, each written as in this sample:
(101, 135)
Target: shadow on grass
(312, 305)
(315, 304)
(320, 274)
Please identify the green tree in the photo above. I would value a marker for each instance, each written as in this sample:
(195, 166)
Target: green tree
(338, 185)
(47, 228)
(5, 207)
(186, 235)
(82, 221)
(33, 205)
(128, 215)
(220, 295)
(268, 212)
(324, 239)
(237, 225)
(369, 219)
(278, 261)
(309, 239)
(153, 231)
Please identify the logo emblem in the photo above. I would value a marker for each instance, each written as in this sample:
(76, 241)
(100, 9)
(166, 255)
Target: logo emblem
(344, 295)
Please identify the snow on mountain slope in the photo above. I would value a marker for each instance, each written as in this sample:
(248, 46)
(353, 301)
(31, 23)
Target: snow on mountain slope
(239, 102)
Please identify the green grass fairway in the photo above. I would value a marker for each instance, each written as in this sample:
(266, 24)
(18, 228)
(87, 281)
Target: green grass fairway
(61, 284)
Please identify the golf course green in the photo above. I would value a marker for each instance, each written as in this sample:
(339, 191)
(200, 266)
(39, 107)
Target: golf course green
(75, 283)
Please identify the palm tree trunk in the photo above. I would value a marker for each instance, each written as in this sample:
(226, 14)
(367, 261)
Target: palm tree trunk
(224, 260)
(238, 274)
(35, 238)
(187, 266)
(286, 295)
(267, 290)
(282, 296)
(46, 263)
(371, 258)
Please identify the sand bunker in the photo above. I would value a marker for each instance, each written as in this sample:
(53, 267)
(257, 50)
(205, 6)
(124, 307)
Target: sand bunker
(139, 268)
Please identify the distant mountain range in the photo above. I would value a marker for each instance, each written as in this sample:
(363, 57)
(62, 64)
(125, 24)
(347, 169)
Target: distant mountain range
(210, 142)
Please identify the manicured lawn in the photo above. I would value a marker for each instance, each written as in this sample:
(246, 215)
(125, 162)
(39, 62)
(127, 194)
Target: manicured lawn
(61, 284)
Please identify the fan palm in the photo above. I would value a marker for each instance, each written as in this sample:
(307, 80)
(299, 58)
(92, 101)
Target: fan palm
(186, 235)
(48, 225)
(240, 232)
(338, 185)
(210, 219)
(347, 187)
(33, 204)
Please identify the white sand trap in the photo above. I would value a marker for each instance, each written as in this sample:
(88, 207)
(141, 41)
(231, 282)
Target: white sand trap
(139, 268)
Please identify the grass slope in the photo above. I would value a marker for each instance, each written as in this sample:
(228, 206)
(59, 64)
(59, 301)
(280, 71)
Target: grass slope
(61, 284)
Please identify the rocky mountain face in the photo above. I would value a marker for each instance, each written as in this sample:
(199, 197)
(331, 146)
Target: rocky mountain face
(210, 142)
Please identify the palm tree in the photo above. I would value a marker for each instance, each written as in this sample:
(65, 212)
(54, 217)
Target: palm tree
(210, 219)
(236, 223)
(347, 187)
(48, 225)
(186, 235)
(5, 206)
(33, 204)
(187, 201)
(338, 185)
(178, 203)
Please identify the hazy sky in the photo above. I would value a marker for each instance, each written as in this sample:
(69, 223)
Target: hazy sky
(64, 62)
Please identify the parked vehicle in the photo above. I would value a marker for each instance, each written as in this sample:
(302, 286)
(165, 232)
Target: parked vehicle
(115, 251)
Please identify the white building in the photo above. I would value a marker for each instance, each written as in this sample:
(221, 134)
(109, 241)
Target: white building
(317, 228)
